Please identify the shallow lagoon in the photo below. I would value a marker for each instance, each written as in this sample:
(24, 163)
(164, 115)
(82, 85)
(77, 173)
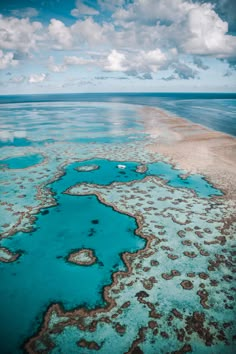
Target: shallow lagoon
(42, 272)
(109, 172)
(20, 162)
(42, 275)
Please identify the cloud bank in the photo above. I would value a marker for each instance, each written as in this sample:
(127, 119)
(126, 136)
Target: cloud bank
(138, 38)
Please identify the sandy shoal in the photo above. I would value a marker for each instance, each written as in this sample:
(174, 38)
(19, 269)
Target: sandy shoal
(193, 148)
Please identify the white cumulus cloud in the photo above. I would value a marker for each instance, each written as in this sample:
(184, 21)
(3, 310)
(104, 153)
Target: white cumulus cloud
(36, 78)
(152, 11)
(208, 33)
(140, 38)
(82, 33)
(7, 59)
(153, 59)
(137, 62)
(60, 33)
(116, 61)
(89, 32)
(191, 27)
(19, 34)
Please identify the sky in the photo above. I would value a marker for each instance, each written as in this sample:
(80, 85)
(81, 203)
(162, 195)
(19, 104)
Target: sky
(60, 46)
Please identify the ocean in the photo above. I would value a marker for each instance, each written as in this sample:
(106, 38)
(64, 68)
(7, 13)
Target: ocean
(216, 111)
(54, 148)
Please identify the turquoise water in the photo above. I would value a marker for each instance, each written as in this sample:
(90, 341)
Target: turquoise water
(42, 275)
(195, 182)
(109, 172)
(22, 161)
(15, 142)
(21, 142)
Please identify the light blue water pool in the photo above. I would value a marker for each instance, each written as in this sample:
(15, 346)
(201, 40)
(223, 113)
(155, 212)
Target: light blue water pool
(20, 162)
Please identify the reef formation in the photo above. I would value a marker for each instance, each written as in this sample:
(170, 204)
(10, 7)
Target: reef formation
(176, 294)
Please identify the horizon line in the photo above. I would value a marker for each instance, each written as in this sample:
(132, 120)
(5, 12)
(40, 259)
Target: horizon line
(118, 92)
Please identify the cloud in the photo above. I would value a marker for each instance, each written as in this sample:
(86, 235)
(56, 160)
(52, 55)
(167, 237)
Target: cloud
(139, 39)
(156, 31)
(74, 60)
(146, 76)
(19, 34)
(75, 82)
(170, 78)
(111, 77)
(7, 60)
(81, 34)
(82, 9)
(68, 61)
(208, 33)
(181, 71)
(36, 78)
(184, 72)
(199, 63)
(88, 32)
(116, 61)
(190, 27)
(150, 12)
(25, 12)
(56, 68)
(134, 63)
(226, 10)
(152, 59)
(60, 34)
